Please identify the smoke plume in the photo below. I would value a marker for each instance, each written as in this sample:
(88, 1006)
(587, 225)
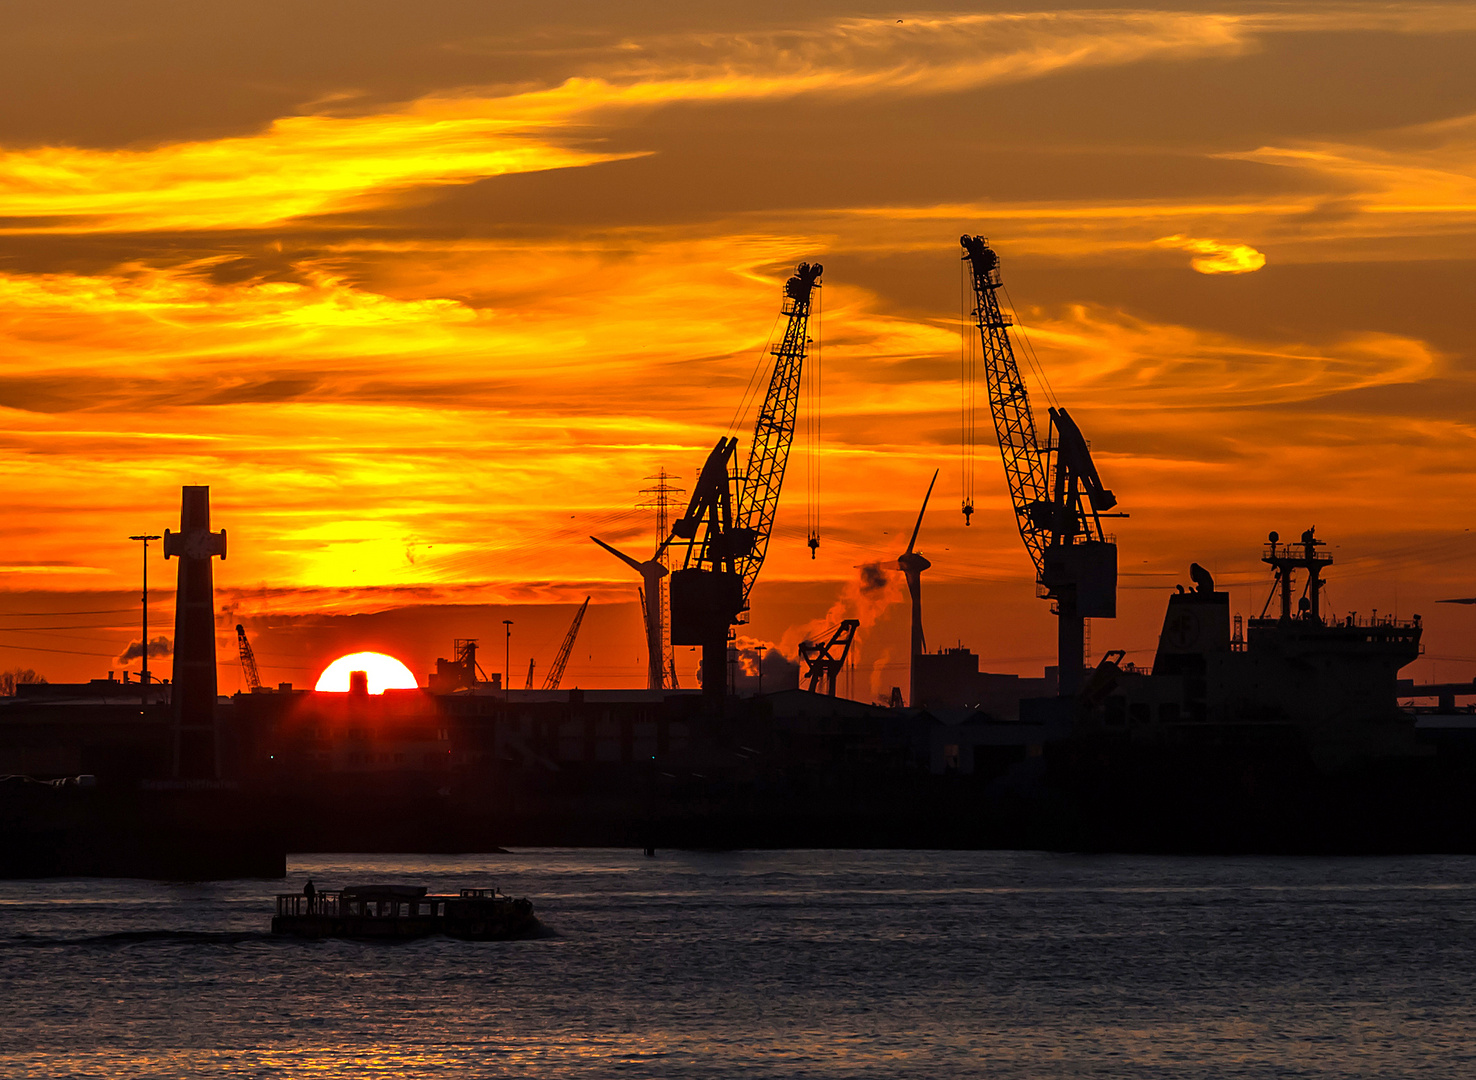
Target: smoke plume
(865, 598)
(779, 671)
(159, 646)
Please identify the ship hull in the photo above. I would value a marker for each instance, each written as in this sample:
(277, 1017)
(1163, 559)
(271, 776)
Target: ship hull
(498, 926)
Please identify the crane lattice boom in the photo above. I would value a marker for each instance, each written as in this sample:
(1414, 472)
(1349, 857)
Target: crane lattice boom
(1024, 463)
(248, 659)
(556, 673)
(774, 432)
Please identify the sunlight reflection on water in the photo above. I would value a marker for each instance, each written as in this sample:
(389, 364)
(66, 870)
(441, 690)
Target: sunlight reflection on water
(767, 964)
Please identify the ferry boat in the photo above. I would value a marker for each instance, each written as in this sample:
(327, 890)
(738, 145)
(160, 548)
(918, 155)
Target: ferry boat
(400, 912)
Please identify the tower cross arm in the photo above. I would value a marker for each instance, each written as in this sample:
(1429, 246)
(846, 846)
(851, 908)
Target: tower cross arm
(195, 544)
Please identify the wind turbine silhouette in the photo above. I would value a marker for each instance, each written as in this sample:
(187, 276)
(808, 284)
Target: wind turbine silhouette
(651, 571)
(912, 564)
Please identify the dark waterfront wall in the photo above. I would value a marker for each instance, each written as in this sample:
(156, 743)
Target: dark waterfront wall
(412, 771)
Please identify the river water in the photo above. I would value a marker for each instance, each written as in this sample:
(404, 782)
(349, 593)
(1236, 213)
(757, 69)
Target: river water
(767, 964)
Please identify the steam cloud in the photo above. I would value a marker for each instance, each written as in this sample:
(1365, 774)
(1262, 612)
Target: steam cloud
(159, 646)
(876, 587)
(779, 671)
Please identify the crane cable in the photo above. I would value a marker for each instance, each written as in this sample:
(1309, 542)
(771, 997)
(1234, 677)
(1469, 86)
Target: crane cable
(968, 389)
(756, 381)
(813, 379)
(1030, 357)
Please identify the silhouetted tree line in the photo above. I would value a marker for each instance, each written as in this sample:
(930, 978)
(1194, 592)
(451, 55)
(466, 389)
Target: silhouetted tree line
(14, 677)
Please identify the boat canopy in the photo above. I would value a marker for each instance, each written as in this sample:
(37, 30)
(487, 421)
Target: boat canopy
(385, 892)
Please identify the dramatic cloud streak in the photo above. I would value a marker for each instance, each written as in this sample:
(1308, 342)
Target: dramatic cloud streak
(300, 166)
(311, 165)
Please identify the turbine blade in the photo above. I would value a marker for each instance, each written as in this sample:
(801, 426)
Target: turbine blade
(622, 556)
(923, 511)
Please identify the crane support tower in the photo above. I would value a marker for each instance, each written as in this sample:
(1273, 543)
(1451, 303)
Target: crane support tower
(1058, 510)
(726, 536)
(248, 660)
(556, 672)
(707, 592)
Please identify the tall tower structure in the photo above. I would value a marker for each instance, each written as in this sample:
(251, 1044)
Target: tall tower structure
(192, 696)
(662, 497)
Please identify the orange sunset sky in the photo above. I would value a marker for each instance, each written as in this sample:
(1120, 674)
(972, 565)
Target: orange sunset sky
(424, 291)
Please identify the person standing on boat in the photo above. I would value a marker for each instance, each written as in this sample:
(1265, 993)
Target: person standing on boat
(311, 894)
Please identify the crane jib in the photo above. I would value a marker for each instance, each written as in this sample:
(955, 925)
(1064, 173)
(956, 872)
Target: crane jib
(774, 432)
(556, 672)
(1024, 463)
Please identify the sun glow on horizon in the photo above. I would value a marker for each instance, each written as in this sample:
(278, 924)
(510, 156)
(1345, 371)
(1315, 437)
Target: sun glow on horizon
(385, 673)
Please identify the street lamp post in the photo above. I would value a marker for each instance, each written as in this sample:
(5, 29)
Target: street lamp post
(506, 670)
(144, 677)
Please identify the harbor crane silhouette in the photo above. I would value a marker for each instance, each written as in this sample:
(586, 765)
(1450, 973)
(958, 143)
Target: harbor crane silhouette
(1058, 510)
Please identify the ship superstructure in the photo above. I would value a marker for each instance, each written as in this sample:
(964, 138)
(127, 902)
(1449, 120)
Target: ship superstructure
(1334, 681)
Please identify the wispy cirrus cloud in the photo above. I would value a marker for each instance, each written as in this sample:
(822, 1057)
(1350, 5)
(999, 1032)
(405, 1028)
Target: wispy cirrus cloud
(1418, 181)
(1099, 354)
(320, 164)
(1403, 193)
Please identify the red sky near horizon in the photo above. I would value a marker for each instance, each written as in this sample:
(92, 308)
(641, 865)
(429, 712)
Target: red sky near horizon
(424, 294)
